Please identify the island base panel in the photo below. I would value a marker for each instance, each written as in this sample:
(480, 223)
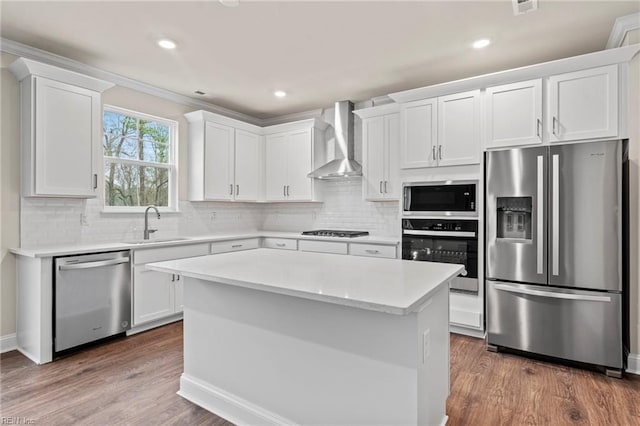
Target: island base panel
(252, 357)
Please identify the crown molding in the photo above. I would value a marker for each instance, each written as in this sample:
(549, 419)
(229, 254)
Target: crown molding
(621, 27)
(29, 52)
(296, 116)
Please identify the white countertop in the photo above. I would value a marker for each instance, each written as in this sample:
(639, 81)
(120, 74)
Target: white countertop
(65, 250)
(386, 285)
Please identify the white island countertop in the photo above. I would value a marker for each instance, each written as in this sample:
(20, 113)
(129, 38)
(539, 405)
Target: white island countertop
(385, 285)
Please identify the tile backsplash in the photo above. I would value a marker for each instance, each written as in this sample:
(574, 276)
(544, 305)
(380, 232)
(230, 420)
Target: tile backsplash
(47, 222)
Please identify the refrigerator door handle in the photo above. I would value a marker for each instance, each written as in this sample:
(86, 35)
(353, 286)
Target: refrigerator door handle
(553, 295)
(540, 217)
(555, 215)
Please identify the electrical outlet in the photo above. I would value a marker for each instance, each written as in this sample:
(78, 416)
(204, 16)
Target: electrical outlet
(426, 345)
(83, 220)
(213, 216)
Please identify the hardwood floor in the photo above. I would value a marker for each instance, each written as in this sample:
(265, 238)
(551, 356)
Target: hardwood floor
(134, 381)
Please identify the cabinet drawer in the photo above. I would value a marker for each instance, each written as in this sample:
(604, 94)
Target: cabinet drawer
(169, 253)
(323, 246)
(234, 245)
(280, 243)
(372, 250)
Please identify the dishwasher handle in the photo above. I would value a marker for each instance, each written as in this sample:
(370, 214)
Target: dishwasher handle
(87, 265)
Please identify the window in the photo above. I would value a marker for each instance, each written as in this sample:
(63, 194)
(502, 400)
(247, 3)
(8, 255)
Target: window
(139, 160)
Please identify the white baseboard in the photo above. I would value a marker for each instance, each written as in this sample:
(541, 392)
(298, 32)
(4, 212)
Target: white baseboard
(8, 342)
(226, 405)
(633, 364)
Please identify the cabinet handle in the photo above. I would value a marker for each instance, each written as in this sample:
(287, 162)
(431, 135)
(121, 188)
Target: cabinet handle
(280, 244)
(385, 187)
(95, 181)
(538, 127)
(236, 246)
(284, 190)
(380, 187)
(287, 190)
(440, 152)
(173, 277)
(178, 278)
(433, 152)
(553, 126)
(237, 190)
(230, 189)
(372, 251)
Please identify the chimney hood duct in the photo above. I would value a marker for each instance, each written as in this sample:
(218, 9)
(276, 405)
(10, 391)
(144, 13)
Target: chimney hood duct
(345, 166)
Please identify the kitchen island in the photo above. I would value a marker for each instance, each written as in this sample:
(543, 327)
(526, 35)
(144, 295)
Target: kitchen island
(287, 337)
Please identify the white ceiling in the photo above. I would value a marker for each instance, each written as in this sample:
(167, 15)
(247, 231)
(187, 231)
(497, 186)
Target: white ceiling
(318, 52)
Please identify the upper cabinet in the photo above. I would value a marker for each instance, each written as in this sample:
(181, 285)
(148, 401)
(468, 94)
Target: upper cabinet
(225, 158)
(380, 152)
(514, 114)
(580, 105)
(443, 131)
(292, 151)
(583, 104)
(61, 127)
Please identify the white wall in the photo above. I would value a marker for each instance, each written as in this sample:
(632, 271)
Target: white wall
(634, 187)
(9, 193)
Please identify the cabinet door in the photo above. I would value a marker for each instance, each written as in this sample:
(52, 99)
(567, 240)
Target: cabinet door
(419, 134)
(178, 300)
(459, 129)
(67, 132)
(373, 136)
(583, 104)
(218, 162)
(514, 114)
(247, 166)
(276, 150)
(153, 295)
(392, 166)
(299, 164)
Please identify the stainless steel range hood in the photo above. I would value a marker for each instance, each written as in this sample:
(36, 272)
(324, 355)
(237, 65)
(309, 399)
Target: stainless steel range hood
(344, 166)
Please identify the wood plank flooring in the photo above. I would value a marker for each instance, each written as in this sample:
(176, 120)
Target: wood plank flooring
(133, 381)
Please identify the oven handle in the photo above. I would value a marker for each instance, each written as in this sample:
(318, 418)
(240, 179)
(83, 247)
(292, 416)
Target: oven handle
(466, 234)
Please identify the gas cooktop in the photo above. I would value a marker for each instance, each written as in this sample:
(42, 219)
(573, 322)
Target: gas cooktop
(336, 233)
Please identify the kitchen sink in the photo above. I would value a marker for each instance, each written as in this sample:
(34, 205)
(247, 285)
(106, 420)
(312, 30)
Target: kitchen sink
(157, 240)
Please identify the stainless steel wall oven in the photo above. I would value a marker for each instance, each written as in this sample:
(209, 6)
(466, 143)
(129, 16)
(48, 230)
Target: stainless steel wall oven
(446, 241)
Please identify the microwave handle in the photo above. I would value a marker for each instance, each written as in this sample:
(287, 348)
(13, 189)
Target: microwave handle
(407, 198)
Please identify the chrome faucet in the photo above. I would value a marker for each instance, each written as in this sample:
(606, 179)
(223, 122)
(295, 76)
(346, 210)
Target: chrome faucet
(148, 231)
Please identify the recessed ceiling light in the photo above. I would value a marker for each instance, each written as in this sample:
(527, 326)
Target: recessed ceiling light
(230, 3)
(479, 44)
(280, 93)
(165, 43)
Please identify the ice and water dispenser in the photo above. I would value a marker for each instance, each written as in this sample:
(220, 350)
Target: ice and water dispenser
(514, 217)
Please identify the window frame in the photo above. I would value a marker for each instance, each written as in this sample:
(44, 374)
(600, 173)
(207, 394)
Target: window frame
(171, 166)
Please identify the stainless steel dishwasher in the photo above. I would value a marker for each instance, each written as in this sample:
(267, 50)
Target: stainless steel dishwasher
(92, 298)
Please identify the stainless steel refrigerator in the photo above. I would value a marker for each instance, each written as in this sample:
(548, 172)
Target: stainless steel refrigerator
(556, 254)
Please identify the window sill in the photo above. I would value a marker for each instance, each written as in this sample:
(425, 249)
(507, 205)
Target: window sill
(138, 210)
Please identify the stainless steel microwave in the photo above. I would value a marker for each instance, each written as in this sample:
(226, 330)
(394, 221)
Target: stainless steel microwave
(446, 198)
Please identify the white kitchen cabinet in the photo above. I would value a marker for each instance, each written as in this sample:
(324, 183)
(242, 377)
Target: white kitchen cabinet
(158, 295)
(292, 151)
(234, 245)
(334, 247)
(459, 129)
(583, 104)
(61, 128)
(443, 131)
(225, 158)
(373, 250)
(280, 243)
(514, 114)
(419, 134)
(380, 152)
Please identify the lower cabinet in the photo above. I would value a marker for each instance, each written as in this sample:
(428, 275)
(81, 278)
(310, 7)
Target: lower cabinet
(157, 295)
(373, 250)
